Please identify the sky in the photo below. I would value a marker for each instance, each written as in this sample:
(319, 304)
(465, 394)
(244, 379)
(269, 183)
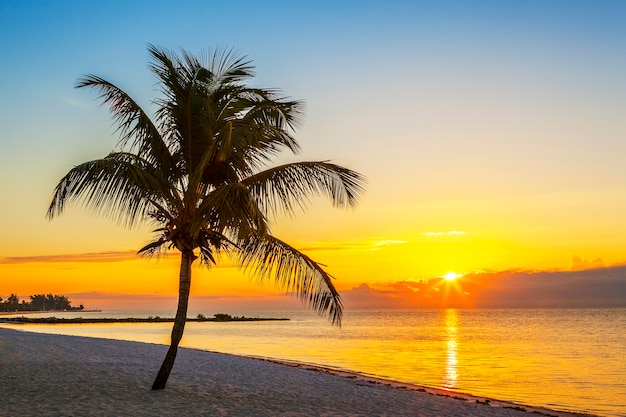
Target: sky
(492, 136)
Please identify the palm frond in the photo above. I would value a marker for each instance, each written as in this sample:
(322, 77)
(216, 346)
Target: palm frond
(211, 245)
(269, 107)
(153, 247)
(264, 126)
(289, 186)
(135, 127)
(187, 114)
(230, 209)
(265, 256)
(117, 186)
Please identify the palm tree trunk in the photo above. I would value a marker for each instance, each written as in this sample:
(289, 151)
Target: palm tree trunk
(187, 258)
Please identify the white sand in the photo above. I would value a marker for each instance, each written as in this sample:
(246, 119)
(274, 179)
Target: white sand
(51, 375)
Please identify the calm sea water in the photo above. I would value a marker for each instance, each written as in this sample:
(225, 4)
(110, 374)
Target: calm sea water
(558, 358)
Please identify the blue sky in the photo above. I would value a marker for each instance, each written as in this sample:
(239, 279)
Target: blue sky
(504, 120)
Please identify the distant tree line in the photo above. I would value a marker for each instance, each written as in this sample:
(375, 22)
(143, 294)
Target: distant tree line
(38, 302)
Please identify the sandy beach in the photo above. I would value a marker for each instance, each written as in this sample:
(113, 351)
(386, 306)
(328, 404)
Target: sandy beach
(56, 375)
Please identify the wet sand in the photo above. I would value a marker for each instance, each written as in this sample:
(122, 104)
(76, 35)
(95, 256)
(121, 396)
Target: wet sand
(55, 375)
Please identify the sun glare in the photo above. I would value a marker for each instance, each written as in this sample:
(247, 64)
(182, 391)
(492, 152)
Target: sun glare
(451, 276)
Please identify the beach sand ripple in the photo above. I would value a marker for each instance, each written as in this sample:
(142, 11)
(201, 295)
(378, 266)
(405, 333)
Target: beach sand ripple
(55, 375)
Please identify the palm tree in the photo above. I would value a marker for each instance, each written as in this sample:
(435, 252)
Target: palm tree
(198, 170)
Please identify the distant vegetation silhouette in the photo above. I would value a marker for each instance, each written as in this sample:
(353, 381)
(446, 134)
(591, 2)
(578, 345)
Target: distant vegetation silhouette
(198, 172)
(38, 302)
(219, 317)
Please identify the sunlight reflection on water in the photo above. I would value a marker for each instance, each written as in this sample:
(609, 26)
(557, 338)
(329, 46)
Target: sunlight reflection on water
(451, 374)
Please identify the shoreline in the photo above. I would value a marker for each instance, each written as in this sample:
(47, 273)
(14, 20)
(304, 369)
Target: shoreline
(440, 392)
(71, 375)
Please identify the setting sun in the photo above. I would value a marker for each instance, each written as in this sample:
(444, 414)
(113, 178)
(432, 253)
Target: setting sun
(451, 276)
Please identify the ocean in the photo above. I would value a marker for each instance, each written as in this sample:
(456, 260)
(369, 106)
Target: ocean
(564, 359)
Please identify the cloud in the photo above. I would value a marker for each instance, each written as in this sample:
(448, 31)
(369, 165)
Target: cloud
(579, 263)
(365, 296)
(601, 287)
(111, 256)
(450, 233)
(370, 244)
(400, 294)
(208, 304)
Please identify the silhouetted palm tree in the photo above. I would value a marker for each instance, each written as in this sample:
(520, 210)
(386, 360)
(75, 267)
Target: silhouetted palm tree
(198, 171)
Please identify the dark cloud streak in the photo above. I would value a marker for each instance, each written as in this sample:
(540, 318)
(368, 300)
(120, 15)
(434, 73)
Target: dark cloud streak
(113, 256)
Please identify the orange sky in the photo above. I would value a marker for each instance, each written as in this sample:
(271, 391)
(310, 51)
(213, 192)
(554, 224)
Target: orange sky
(369, 273)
